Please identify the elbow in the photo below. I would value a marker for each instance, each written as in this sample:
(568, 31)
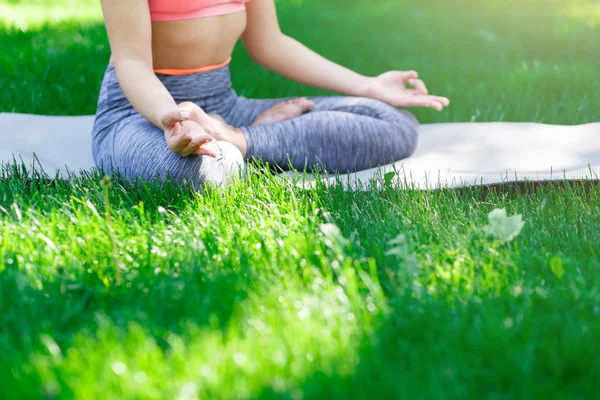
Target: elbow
(128, 61)
(258, 58)
(264, 52)
(126, 67)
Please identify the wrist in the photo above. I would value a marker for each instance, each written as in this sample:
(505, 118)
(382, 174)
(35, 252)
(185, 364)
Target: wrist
(366, 87)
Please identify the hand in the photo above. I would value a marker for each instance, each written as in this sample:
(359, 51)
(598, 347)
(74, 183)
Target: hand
(186, 137)
(211, 123)
(216, 126)
(391, 88)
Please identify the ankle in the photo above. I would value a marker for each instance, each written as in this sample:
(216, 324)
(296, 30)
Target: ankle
(237, 137)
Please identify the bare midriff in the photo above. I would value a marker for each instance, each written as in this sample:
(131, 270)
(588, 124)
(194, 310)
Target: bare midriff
(195, 43)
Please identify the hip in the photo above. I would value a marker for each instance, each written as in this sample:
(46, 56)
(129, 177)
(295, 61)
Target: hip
(210, 89)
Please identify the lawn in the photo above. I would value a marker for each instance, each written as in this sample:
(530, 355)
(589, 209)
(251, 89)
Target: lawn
(115, 290)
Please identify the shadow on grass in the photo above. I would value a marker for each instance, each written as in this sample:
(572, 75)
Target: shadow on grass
(424, 346)
(161, 301)
(163, 305)
(34, 189)
(430, 350)
(163, 295)
(514, 190)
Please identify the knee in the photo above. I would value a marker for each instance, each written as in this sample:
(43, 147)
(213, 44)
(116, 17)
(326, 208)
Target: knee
(394, 115)
(139, 151)
(199, 171)
(404, 127)
(400, 128)
(404, 121)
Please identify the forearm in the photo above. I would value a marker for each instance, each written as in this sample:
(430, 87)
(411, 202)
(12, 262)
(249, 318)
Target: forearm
(291, 59)
(144, 90)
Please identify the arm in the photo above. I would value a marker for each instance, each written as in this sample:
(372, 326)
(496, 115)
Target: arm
(269, 47)
(130, 34)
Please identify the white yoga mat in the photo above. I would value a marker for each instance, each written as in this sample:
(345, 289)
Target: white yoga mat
(448, 155)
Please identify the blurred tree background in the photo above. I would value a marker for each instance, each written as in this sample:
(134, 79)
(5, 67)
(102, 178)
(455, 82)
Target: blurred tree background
(532, 60)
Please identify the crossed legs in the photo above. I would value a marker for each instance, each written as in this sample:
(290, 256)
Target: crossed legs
(338, 134)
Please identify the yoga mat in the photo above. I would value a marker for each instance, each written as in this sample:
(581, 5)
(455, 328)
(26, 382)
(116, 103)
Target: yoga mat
(448, 155)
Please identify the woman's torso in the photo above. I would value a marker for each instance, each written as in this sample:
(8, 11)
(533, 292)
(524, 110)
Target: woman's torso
(198, 42)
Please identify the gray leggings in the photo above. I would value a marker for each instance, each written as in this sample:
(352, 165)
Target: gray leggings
(341, 134)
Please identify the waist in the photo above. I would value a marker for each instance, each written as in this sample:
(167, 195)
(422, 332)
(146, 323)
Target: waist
(183, 87)
(188, 71)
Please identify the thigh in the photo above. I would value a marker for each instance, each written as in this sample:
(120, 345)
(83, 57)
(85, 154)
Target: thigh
(137, 149)
(361, 106)
(245, 111)
(332, 140)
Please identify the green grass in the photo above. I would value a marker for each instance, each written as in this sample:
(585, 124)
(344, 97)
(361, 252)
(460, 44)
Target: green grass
(253, 291)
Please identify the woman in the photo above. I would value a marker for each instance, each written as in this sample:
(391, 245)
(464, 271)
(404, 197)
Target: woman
(167, 108)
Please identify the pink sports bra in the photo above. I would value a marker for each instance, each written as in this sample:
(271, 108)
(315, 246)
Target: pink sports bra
(174, 10)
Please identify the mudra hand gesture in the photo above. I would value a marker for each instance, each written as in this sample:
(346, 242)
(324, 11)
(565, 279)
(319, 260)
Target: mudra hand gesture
(391, 87)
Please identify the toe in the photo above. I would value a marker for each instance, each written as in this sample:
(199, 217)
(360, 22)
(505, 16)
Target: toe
(308, 104)
(303, 105)
(301, 101)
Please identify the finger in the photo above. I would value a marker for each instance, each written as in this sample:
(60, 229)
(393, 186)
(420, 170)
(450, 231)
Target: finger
(195, 143)
(195, 112)
(304, 104)
(444, 100)
(424, 101)
(308, 105)
(175, 129)
(179, 142)
(301, 100)
(187, 149)
(173, 117)
(408, 75)
(208, 149)
(419, 86)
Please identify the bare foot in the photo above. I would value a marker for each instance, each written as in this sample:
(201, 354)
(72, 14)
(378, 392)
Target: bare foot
(217, 116)
(227, 133)
(283, 111)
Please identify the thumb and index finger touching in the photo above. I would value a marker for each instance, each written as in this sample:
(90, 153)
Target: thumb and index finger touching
(170, 119)
(412, 78)
(423, 99)
(185, 111)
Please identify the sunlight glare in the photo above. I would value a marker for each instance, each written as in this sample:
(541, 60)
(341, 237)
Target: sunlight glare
(583, 11)
(31, 16)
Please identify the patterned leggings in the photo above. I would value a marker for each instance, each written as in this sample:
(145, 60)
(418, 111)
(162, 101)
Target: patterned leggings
(341, 134)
